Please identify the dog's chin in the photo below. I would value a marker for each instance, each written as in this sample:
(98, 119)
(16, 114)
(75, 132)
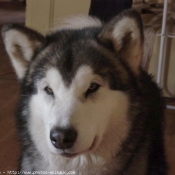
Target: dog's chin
(68, 154)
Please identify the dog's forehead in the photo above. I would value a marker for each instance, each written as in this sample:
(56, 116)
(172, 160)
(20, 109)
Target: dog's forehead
(69, 58)
(69, 53)
(82, 77)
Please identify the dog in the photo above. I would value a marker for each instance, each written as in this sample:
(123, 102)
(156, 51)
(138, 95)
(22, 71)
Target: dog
(86, 106)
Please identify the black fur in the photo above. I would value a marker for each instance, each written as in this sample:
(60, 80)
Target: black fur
(67, 50)
(145, 96)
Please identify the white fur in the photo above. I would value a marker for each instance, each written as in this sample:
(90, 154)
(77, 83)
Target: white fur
(122, 28)
(102, 115)
(78, 22)
(19, 58)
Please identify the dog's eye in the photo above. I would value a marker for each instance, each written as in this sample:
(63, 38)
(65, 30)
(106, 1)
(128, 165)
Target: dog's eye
(92, 88)
(48, 90)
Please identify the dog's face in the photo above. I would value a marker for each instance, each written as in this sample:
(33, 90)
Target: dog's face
(76, 82)
(77, 103)
(75, 117)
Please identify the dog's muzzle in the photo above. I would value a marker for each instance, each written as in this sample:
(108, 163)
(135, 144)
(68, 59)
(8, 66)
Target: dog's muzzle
(63, 138)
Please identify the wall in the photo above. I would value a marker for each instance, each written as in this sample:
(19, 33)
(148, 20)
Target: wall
(42, 15)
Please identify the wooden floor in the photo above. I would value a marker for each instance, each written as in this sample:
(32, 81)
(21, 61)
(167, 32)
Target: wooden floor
(9, 89)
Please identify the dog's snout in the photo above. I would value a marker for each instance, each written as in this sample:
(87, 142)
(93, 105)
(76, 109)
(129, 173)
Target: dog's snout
(63, 138)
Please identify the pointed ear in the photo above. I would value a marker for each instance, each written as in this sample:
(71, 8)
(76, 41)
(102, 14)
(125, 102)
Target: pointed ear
(21, 44)
(125, 33)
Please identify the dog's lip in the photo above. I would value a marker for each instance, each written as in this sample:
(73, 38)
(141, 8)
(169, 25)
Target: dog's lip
(91, 148)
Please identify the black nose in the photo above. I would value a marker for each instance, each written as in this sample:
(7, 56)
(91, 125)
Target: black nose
(63, 138)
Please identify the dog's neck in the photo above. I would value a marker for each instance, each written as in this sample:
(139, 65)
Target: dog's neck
(137, 162)
(89, 164)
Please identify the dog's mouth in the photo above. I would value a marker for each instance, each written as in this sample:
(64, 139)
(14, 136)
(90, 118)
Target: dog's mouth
(91, 148)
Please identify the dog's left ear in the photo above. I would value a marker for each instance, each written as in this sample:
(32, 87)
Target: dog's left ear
(125, 33)
(21, 44)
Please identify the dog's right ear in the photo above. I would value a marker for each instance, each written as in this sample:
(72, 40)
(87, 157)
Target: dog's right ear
(125, 34)
(21, 44)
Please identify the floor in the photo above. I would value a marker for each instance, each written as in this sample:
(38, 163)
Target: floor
(9, 88)
(14, 11)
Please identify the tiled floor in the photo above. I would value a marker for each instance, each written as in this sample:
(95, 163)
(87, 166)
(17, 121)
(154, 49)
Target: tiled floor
(9, 88)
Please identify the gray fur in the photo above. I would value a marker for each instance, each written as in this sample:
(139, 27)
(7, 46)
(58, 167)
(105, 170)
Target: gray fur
(142, 152)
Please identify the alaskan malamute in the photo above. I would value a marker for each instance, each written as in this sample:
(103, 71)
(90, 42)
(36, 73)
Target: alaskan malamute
(86, 105)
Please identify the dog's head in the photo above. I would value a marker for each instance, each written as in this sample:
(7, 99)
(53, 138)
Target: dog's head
(75, 82)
